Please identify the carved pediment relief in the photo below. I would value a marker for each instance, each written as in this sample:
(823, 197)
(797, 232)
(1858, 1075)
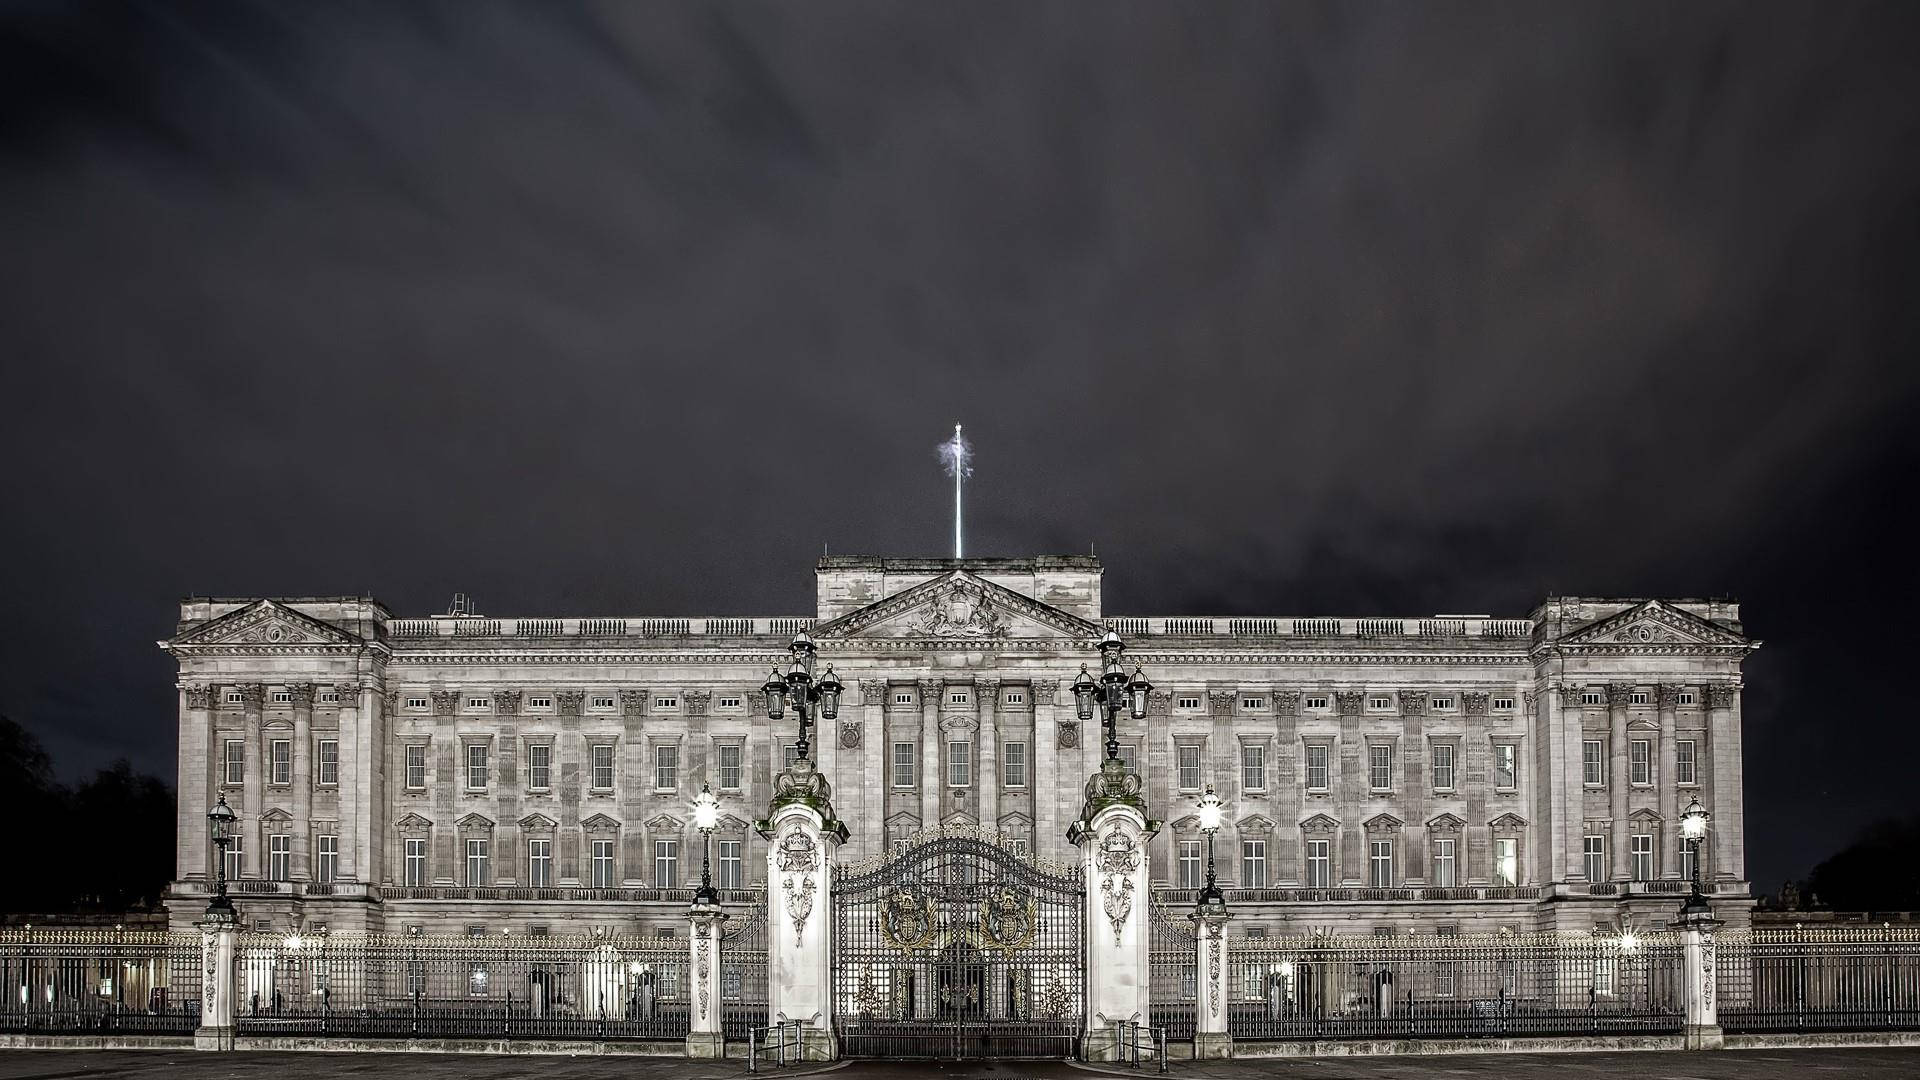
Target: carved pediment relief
(1653, 623)
(903, 820)
(958, 607)
(1446, 823)
(603, 823)
(276, 814)
(475, 821)
(1255, 823)
(1508, 822)
(266, 624)
(537, 821)
(1643, 816)
(662, 822)
(729, 824)
(1190, 823)
(959, 817)
(413, 822)
(1014, 821)
(1320, 823)
(1382, 822)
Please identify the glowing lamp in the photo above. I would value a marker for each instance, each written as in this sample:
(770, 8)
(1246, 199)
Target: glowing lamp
(1693, 821)
(220, 820)
(706, 809)
(1137, 693)
(1209, 810)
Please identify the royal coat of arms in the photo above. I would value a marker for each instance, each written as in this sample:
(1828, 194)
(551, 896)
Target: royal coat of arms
(964, 611)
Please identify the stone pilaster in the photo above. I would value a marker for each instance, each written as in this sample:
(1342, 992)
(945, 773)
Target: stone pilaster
(200, 766)
(706, 936)
(1352, 788)
(1211, 965)
(931, 782)
(1416, 785)
(1669, 773)
(1728, 798)
(253, 854)
(1618, 846)
(864, 761)
(302, 866)
(986, 777)
(1047, 780)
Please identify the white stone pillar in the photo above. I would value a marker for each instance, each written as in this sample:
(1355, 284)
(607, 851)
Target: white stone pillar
(216, 983)
(1112, 836)
(1210, 1036)
(1698, 952)
(707, 932)
(800, 851)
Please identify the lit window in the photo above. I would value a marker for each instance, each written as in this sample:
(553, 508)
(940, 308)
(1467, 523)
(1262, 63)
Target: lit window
(477, 861)
(1380, 767)
(666, 768)
(327, 859)
(280, 856)
(729, 766)
(1253, 766)
(236, 757)
(539, 766)
(1443, 868)
(1190, 768)
(1640, 760)
(729, 875)
(1593, 762)
(1683, 763)
(1642, 854)
(601, 865)
(1506, 760)
(282, 761)
(1443, 766)
(416, 767)
(476, 766)
(1253, 864)
(959, 764)
(540, 863)
(416, 861)
(1319, 757)
(1381, 863)
(329, 762)
(666, 864)
(1190, 876)
(1506, 861)
(903, 764)
(603, 766)
(1594, 853)
(1013, 761)
(1319, 863)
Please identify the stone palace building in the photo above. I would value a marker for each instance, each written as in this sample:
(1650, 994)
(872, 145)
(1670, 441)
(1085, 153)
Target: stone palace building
(468, 774)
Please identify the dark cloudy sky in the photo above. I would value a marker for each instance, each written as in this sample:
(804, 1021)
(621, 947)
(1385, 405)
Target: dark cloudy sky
(1365, 309)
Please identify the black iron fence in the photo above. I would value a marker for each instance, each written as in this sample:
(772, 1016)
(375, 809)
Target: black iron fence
(1841, 978)
(1173, 971)
(603, 987)
(743, 972)
(1432, 986)
(75, 981)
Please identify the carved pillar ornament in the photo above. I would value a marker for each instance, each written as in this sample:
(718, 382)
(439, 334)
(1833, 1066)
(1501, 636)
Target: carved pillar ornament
(797, 857)
(302, 694)
(1351, 701)
(570, 701)
(1619, 694)
(1159, 703)
(1044, 691)
(1475, 702)
(707, 926)
(445, 702)
(1720, 695)
(1117, 858)
(1067, 737)
(1669, 696)
(251, 695)
(696, 701)
(1413, 702)
(873, 692)
(634, 703)
(1286, 703)
(850, 734)
(506, 702)
(349, 695)
(1529, 697)
(199, 696)
(930, 691)
(1222, 701)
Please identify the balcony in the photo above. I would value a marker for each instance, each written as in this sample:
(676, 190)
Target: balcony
(559, 894)
(1363, 895)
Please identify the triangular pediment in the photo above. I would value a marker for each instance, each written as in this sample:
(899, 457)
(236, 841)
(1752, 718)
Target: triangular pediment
(600, 823)
(475, 820)
(537, 821)
(903, 820)
(1654, 623)
(959, 817)
(264, 624)
(1643, 815)
(658, 821)
(1190, 823)
(1255, 823)
(413, 821)
(1383, 821)
(1446, 821)
(1508, 821)
(730, 824)
(959, 606)
(276, 814)
(1320, 823)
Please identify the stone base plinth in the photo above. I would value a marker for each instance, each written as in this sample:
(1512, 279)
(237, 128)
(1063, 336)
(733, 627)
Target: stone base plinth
(1212, 1044)
(706, 1045)
(213, 1038)
(1708, 1037)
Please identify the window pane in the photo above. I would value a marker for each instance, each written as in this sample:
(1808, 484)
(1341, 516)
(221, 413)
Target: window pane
(1013, 757)
(903, 764)
(1253, 766)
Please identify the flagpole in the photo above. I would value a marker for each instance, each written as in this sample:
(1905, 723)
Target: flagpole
(958, 477)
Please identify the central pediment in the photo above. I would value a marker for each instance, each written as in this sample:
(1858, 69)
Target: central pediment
(959, 607)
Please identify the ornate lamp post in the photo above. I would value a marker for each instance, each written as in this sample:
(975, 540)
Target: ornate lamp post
(1211, 810)
(799, 687)
(706, 815)
(1113, 693)
(220, 821)
(1693, 830)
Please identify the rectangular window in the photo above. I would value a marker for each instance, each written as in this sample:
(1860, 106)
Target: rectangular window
(958, 697)
(1503, 704)
(1319, 755)
(416, 861)
(729, 703)
(1683, 763)
(1190, 874)
(1013, 761)
(1594, 852)
(789, 753)
(1506, 861)
(1686, 862)
(1127, 759)
(959, 764)
(1638, 697)
(416, 767)
(903, 764)
(280, 857)
(1591, 697)
(1381, 864)
(233, 697)
(329, 763)
(1189, 768)
(607, 702)
(666, 864)
(1443, 865)
(1506, 766)
(1593, 762)
(1379, 701)
(1319, 864)
(479, 703)
(416, 703)
(1443, 766)
(327, 860)
(1685, 697)
(730, 766)
(1253, 864)
(603, 766)
(1251, 703)
(236, 757)
(539, 766)
(282, 697)
(1253, 766)
(1442, 704)
(476, 766)
(1016, 697)
(1188, 703)
(236, 859)
(477, 862)
(1316, 701)
(666, 703)
(1642, 853)
(904, 697)
(728, 876)
(1380, 767)
(539, 703)
(540, 863)
(666, 768)
(602, 864)
(282, 761)
(1640, 761)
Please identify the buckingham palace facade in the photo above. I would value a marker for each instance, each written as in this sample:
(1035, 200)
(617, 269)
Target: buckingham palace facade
(465, 774)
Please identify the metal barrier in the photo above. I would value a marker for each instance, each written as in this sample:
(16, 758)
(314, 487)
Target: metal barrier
(1332, 987)
(772, 1040)
(1842, 978)
(1128, 1043)
(743, 973)
(75, 981)
(1173, 971)
(575, 987)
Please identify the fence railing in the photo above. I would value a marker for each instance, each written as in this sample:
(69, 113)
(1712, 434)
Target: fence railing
(1426, 986)
(74, 981)
(1842, 978)
(743, 973)
(1173, 970)
(574, 987)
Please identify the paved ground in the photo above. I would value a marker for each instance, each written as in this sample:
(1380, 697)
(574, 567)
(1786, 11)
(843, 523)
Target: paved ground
(1870, 1064)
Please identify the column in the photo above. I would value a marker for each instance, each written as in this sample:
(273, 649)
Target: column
(1049, 782)
(1210, 1036)
(1113, 856)
(216, 988)
(1559, 793)
(1474, 760)
(866, 773)
(1618, 694)
(253, 855)
(362, 814)
(800, 852)
(1726, 837)
(705, 938)
(1669, 771)
(1414, 786)
(200, 766)
(1289, 788)
(930, 778)
(302, 694)
(986, 778)
(1702, 1031)
(1353, 789)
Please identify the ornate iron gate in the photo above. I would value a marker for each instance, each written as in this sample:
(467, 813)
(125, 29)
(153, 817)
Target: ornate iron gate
(955, 946)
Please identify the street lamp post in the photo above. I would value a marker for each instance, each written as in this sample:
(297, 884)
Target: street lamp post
(220, 821)
(706, 814)
(810, 697)
(1693, 830)
(1114, 691)
(1210, 811)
